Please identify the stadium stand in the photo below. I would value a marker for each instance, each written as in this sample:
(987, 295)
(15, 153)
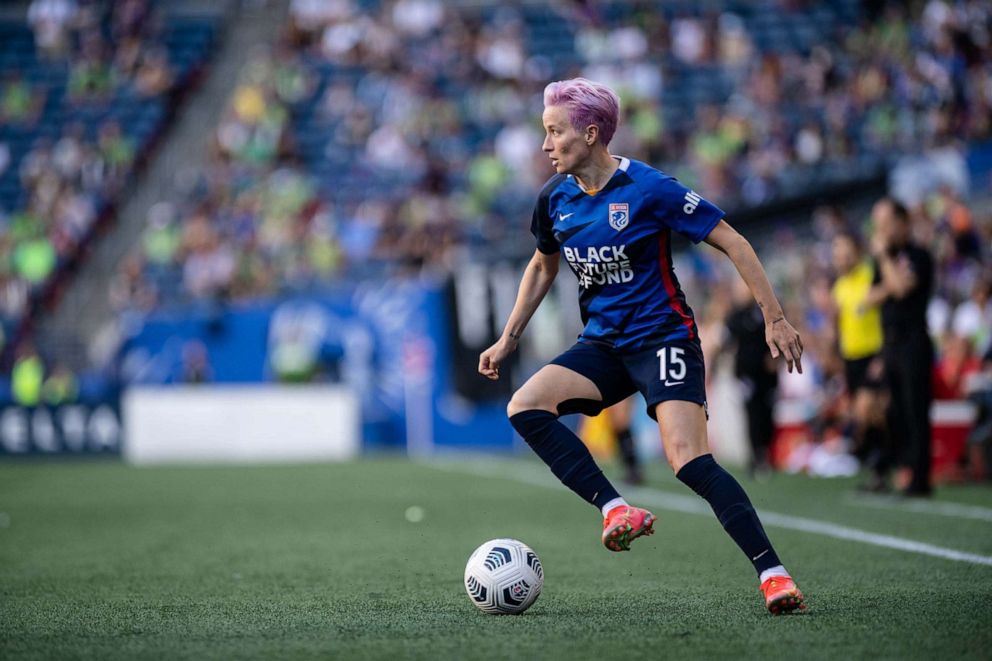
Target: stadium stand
(86, 90)
(248, 263)
(400, 138)
(408, 165)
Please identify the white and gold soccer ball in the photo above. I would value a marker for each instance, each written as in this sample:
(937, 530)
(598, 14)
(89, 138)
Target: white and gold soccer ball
(503, 577)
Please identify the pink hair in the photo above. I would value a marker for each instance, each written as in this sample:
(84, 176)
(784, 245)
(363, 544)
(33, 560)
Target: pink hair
(587, 103)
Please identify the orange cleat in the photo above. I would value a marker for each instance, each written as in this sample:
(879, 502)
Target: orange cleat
(782, 595)
(624, 524)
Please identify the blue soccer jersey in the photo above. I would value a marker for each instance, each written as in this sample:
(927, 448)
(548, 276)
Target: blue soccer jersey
(618, 243)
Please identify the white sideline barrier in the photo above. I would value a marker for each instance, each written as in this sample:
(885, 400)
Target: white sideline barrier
(240, 424)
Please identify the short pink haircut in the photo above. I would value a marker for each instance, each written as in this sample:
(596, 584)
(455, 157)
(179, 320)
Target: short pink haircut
(587, 103)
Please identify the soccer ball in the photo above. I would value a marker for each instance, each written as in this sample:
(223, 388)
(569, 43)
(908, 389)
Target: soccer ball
(503, 577)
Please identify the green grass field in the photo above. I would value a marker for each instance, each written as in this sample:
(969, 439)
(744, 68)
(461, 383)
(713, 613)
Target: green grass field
(101, 560)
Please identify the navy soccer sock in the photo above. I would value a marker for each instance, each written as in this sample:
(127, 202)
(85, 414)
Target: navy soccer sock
(565, 454)
(732, 507)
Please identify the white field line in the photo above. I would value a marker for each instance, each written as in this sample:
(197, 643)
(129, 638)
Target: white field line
(693, 505)
(955, 510)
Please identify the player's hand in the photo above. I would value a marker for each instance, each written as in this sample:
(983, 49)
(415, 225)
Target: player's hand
(905, 274)
(784, 340)
(490, 359)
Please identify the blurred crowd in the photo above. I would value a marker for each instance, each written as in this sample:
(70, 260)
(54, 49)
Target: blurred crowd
(247, 225)
(804, 270)
(403, 135)
(67, 183)
(83, 94)
(897, 81)
(106, 46)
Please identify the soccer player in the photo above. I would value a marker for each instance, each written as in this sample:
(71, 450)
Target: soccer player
(612, 218)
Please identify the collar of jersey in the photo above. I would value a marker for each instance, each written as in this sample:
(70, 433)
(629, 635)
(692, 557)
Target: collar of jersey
(616, 180)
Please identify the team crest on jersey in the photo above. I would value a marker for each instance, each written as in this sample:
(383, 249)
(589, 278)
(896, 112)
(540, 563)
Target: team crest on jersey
(619, 215)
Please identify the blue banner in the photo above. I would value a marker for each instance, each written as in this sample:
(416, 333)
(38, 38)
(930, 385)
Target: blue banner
(389, 341)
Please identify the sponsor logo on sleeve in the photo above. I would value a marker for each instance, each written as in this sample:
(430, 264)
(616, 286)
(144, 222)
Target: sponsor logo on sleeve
(691, 202)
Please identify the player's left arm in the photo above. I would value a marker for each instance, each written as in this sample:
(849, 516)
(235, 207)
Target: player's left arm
(781, 337)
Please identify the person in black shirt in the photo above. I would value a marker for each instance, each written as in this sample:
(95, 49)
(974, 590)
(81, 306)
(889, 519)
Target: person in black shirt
(903, 284)
(758, 376)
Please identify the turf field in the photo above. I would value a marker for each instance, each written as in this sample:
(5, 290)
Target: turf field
(100, 560)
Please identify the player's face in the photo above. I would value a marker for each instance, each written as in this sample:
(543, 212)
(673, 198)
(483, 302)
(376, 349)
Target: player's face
(882, 222)
(888, 227)
(844, 254)
(563, 143)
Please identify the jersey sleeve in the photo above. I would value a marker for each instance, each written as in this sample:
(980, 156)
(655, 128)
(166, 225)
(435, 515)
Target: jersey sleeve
(685, 211)
(541, 223)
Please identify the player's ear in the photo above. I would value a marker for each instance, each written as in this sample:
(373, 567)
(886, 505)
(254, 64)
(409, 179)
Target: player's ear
(592, 132)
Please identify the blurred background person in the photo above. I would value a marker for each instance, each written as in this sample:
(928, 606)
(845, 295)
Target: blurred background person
(980, 437)
(757, 374)
(615, 422)
(859, 340)
(903, 284)
(27, 376)
(60, 386)
(620, 415)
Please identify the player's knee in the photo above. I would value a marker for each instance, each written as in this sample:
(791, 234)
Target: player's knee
(680, 451)
(674, 460)
(527, 400)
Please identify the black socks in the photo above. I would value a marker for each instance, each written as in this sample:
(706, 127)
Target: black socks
(570, 461)
(565, 454)
(732, 507)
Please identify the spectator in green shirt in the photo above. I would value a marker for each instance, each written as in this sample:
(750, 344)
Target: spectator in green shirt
(19, 104)
(27, 376)
(116, 148)
(35, 259)
(60, 387)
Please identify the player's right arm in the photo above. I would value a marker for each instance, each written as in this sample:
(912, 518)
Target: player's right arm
(781, 337)
(538, 277)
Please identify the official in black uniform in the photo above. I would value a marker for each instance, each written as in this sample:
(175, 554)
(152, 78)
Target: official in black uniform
(903, 284)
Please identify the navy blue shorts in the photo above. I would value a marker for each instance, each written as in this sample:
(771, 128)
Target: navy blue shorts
(670, 370)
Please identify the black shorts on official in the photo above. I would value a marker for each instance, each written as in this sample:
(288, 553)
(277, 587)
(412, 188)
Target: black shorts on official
(669, 371)
(858, 376)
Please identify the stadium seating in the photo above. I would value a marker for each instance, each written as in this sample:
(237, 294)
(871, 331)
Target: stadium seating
(409, 150)
(730, 118)
(138, 113)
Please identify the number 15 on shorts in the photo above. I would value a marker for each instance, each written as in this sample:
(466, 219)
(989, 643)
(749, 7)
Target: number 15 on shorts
(671, 365)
